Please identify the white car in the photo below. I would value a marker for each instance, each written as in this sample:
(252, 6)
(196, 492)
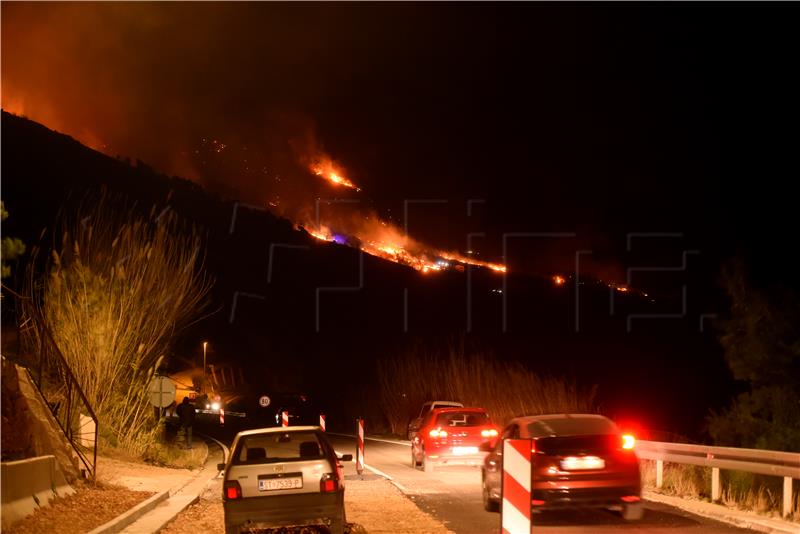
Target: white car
(283, 477)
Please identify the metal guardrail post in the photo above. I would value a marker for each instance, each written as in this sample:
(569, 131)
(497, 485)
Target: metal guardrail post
(787, 497)
(659, 473)
(715, 489)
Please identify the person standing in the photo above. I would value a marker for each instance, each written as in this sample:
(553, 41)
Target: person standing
(186, 417)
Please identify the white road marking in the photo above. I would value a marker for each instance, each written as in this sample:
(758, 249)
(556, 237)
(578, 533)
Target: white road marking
(381, 474)
(382, 440)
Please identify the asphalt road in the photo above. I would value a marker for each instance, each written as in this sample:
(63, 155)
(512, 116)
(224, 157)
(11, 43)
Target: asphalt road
(453, 495)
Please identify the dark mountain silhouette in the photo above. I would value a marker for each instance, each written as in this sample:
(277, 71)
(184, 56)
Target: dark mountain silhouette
(298, 313)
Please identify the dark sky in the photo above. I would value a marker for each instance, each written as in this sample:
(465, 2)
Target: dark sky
(586, 118)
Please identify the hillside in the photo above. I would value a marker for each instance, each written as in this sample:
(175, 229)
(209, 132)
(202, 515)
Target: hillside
(306, 316)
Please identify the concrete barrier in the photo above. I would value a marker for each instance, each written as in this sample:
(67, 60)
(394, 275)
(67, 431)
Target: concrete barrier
(28, 484)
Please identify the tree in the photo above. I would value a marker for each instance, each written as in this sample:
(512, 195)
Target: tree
(114, 294)
(761, 339)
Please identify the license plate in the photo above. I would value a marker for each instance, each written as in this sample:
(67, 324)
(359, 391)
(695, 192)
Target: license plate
(574, 463)
(273, 484)
(465, 450)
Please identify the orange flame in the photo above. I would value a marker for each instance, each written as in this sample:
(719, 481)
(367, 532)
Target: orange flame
(327, 170)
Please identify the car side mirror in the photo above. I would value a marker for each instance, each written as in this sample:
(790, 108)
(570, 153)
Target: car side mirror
(486, 446)
(346, 458)
(220, 467)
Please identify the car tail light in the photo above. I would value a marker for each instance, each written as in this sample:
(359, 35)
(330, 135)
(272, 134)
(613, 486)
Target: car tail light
(232, 490)
(438, 433)
(537, 502)
(631, 498)
(489, 433)
(328, 483)
(628, 441)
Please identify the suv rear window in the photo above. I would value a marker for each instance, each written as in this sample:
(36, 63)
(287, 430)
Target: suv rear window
(278, 447)
(462, 419)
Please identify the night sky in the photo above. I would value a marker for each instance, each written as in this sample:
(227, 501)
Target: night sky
(594, 119)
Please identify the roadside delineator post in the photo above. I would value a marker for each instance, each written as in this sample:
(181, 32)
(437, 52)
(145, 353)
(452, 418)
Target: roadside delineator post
(284, 418)
(322, 421)
(221, 417)
(360, 448)
(515, 512)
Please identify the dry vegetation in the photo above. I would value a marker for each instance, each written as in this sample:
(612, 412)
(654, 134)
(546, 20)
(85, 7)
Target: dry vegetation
(743, 491)
(114, 294)
(505, 389)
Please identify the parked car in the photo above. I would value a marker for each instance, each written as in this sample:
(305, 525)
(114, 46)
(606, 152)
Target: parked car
(279, 477)
(578, 460)
(451, 436)
(414, 424)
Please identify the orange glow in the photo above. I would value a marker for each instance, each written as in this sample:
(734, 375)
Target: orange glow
(558, 280)
(622, 289)
(327, 170)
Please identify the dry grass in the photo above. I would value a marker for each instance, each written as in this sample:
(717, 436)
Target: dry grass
(505, 389)
(743, 491)
(114, 294)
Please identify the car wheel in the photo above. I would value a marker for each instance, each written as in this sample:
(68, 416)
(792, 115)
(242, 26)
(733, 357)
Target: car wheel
(633, 511)
(427, 465)
(489, 504)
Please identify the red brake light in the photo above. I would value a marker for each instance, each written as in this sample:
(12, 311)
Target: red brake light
(628, 441)
(233, 490)
(438, 433)
(328, 483)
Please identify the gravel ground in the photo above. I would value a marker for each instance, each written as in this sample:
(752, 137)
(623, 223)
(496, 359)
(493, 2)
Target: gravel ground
(87, 509)
(372, 507)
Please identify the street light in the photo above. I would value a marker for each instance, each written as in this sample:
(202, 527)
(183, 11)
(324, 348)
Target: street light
(205, 344)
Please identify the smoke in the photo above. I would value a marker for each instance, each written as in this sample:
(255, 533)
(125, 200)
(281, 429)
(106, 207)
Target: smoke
(240, 97)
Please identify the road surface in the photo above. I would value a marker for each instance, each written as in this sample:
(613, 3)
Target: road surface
(453, 495)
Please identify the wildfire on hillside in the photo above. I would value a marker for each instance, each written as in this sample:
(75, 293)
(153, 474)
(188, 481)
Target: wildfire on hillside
(326, 169)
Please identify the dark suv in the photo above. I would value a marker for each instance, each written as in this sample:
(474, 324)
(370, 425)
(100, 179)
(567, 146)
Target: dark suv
(577, 460)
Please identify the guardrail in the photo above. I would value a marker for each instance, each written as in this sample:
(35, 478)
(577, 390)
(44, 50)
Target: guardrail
(57, 384)
(780, 464)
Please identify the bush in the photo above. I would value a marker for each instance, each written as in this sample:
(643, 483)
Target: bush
(114, 294)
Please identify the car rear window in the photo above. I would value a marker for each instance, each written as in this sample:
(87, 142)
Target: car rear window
(572, 426)
(462, 419)
(278, 447)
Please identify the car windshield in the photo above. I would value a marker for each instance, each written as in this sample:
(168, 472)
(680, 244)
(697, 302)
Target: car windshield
(279, 447)
(465, 418)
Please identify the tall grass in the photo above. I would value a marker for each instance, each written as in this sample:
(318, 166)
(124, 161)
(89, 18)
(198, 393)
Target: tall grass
(506, 389)
(115, 291)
